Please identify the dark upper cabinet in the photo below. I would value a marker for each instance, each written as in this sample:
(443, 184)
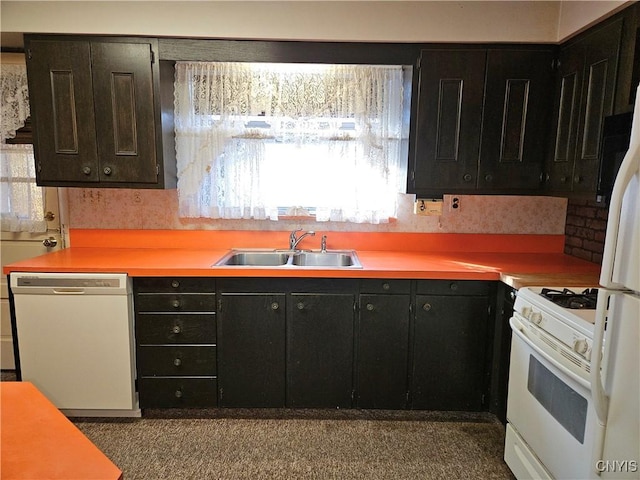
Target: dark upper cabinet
(515, 119)
(449, 120)
(482, 121)
(585, 95)
(96, 107)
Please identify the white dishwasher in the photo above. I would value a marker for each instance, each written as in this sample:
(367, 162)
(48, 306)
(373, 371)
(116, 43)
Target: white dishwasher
(76, 342)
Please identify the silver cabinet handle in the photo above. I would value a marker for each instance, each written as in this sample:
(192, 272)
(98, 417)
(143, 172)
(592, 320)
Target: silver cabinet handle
(178, 393)
(426, 307)
(107, 171)
(176, 329)
(86, 170)
(275, 306)
(175, 303)
(177, 362)
(370, 306)
(300, 306)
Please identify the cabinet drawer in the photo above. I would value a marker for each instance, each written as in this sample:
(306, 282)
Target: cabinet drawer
(175, 328)
(175, 284)
(178, 392)
(178, 302)
(453, 287)
(385, 286)
(177, 360)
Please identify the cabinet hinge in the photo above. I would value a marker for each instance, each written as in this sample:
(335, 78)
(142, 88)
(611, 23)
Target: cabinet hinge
(484, 399)
(29, 54)
(157, 170)
(153, 56)
(39, 167)
(489, 310)
(219, 305)
(555, 64)
(355, 307)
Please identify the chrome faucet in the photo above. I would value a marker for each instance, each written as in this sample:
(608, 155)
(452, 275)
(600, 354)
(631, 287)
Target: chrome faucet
(294, 241)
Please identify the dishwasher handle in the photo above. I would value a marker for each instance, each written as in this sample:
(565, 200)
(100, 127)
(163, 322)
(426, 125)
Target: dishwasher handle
(69, 291)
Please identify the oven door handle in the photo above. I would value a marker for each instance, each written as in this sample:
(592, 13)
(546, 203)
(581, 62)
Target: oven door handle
(519, 330)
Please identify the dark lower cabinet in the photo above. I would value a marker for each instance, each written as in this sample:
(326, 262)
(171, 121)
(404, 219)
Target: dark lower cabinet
(501, 351)
(251, 329)
(383, 349)
(175, 325)
(318, 343)
(320, 350)
(450, 369)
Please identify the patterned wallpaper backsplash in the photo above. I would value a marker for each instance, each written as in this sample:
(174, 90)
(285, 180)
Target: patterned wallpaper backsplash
(158, 209)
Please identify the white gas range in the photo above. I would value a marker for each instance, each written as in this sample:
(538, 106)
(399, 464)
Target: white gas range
(551, 417)
(562, 317)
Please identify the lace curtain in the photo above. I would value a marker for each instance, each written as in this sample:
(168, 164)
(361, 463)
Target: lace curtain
(254, 137)
(21, 200)
(15, 99)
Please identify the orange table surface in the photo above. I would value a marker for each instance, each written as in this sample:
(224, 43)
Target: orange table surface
(38, 442)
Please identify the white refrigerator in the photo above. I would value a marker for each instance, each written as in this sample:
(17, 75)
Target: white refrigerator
(615, 377)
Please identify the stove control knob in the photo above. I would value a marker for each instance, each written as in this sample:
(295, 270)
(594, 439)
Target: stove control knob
(536, 317)
(580, 346)
(526, 312)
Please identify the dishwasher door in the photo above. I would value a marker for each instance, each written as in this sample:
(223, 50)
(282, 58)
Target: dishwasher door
(75, 340)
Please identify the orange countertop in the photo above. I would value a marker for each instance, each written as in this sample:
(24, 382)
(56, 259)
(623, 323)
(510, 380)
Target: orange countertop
(414, 256)
(38, 442)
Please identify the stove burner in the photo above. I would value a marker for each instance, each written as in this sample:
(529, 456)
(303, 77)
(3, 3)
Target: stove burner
(568, 299)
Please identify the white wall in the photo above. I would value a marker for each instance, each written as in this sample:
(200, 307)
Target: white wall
(398, 21)
(576, 16)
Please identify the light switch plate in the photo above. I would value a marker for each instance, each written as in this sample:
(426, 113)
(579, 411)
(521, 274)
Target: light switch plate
(427, 207)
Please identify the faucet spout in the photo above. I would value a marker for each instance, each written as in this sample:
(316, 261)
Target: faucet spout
(294, 241)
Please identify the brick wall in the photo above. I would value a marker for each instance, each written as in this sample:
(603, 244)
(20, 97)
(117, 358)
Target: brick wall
(585, 230)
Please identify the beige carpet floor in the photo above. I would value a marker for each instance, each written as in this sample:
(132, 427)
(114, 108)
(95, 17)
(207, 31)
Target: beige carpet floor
(302, 444)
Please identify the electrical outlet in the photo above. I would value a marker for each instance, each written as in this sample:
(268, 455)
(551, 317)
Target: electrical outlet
(454, 204)
(427, 207)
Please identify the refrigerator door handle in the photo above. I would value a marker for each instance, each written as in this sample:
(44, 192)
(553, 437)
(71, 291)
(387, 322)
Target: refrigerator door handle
(598, 394)
(628, 169)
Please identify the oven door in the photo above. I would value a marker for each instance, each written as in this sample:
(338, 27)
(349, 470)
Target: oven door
(550, 409)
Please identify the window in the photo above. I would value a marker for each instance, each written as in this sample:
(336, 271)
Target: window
(21, 199)
(255, 140)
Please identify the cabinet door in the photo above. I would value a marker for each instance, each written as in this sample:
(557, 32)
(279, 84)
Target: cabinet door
(449, 363)
(587, 76)
(124, 105)
(251, 350)
(383, 345)
(61, 98)
(515, 119)
(320, 350)
(449, 120)
(570, 71)
(601, 67)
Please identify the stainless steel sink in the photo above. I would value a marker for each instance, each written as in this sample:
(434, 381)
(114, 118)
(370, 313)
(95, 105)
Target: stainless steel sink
(326, 259)
(290, 259)
(254, 259)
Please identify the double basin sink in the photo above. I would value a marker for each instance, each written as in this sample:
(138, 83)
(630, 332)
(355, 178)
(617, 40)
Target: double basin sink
(290, 259)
